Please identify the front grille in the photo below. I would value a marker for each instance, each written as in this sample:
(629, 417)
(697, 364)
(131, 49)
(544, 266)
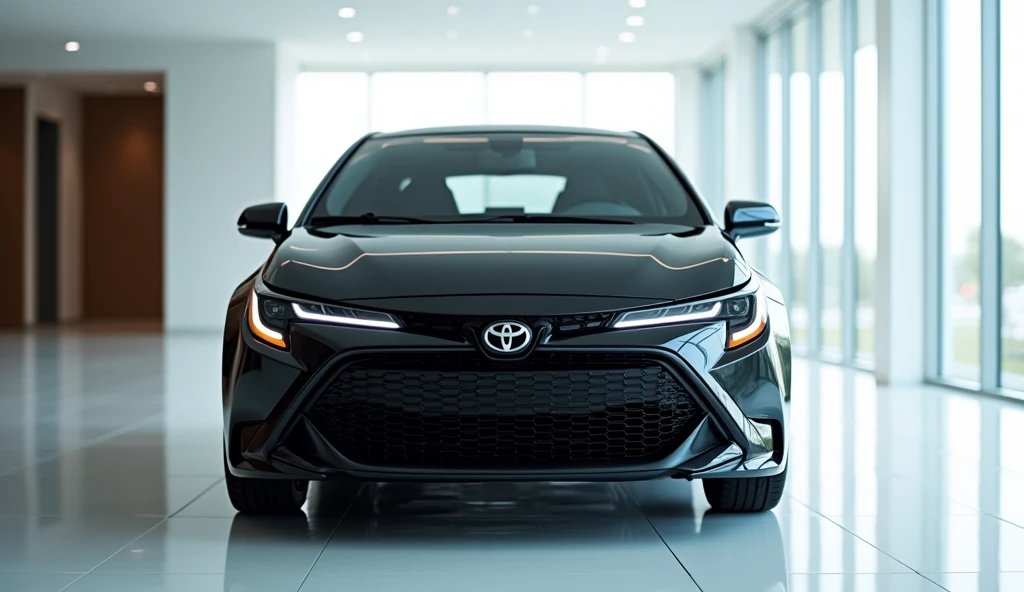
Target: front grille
(462, 409)
(456, 328)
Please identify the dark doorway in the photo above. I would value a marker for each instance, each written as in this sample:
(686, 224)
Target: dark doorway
(47, 191)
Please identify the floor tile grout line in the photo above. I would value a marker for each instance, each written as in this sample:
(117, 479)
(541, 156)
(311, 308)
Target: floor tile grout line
(111, 556)
(131, 542)
(859, 538)
(196, 498)
(661, 538)
(355, 498)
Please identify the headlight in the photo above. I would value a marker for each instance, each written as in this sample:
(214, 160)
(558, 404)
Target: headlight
(269, 317)
(745, 315)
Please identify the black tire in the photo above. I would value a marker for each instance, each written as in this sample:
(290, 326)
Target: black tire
(758, 494)
(265, 496)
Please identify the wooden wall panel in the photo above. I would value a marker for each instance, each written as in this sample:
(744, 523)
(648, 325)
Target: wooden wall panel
(12, 207)
(123, 205)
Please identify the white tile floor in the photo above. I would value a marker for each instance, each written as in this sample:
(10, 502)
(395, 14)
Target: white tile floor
(110, 479)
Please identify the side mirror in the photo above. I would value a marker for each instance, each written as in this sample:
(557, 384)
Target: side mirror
(744, 219)
(268, 220)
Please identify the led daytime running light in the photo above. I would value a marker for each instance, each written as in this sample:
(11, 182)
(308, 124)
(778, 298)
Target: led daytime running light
(681, 318)
(339, 320)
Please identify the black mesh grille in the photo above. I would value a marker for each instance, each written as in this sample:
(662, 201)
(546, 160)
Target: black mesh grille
(461, 409)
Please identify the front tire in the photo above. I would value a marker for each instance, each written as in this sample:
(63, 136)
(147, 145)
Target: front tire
(757, 494)
(265, 496)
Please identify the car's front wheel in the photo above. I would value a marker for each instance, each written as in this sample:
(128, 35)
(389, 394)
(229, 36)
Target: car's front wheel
(265, 496)
(757, 494)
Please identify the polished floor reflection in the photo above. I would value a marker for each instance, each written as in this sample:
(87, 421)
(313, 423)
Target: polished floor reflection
(110, 479)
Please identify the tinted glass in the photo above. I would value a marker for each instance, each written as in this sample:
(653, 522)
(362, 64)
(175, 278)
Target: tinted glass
(463, 176)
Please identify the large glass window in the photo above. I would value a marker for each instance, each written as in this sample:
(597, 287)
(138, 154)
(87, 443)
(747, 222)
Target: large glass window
(332, 115)
(1012, 190)
(407, 100)
(712, 122)
(774, 150)
(865, 173)
(535, 98)
(799, 179)
(961, 183)
(832, 175)
(642, 101)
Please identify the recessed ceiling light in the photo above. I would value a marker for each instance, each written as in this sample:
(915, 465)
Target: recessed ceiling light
(72, 46)
(603, 51)
(452, 10)
(533, 10)
(637, 3)
(635, 21)
(150, 86)
(627, 37)
(452, 35)
(354, 37)
(528, 33)
(347, 12)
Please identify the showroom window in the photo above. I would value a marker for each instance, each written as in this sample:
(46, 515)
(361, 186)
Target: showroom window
(961, 188)
(819, 168)
(334, 109)
(979, 274)
(865, 176)
(800, 181)
(773, 155)
(1011, 188)
(832, 177)
(712, 136)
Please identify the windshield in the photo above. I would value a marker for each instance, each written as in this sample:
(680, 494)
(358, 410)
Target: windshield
(511, 176)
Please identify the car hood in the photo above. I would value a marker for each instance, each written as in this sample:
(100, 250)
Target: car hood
(610, 267)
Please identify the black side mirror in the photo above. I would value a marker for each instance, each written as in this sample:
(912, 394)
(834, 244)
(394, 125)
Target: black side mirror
(744, 219)
(268, 220)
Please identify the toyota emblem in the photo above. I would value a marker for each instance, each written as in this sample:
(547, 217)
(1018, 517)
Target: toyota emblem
(507, 337)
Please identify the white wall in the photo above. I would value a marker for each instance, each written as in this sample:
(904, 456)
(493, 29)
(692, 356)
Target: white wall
(65, 107)
(220, 122)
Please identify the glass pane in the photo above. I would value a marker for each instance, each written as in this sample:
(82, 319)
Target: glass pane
(408, 100)
(331, 115)
(773, 154)
(832, 175)
(865, 181)
(865, 23)
(712, 122)
(961, 314)
(1012, 191)
(799, 178)
(538, 98)
(640, 101)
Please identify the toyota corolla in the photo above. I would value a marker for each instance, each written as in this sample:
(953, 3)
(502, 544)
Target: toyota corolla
(506, 303)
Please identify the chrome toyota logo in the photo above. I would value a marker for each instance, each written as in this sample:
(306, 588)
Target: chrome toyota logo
(507, 337)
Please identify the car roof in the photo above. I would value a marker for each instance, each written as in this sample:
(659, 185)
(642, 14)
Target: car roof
(521, 129)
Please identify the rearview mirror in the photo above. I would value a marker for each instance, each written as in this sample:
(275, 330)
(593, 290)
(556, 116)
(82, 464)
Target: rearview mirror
(744, 219)
(268, 220)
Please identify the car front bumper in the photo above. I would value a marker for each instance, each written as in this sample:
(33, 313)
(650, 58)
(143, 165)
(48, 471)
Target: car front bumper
(268, 395)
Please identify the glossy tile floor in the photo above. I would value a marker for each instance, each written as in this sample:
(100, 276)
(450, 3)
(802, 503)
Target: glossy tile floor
(110, 479)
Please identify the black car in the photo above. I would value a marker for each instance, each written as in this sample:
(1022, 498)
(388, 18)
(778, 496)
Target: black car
(506, 303)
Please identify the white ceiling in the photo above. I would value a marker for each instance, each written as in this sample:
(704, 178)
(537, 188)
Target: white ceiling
(402, 32)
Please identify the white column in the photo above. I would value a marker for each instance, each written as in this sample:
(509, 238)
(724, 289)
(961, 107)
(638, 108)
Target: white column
(900, 269)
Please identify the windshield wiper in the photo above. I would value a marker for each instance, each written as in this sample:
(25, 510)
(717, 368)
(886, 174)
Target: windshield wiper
(550, 219)
(367, 218)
